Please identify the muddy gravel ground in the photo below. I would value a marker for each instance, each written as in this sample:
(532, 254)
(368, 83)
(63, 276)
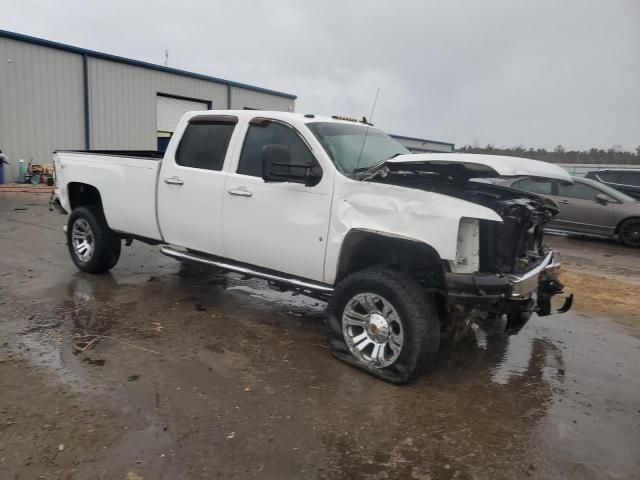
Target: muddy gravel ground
(164, 371)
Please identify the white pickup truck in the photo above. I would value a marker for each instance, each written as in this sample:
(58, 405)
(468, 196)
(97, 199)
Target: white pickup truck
(405, 247)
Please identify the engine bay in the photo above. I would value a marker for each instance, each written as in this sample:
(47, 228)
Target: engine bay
(507, 247)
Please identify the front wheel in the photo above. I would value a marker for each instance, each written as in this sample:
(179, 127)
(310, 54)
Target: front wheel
(629, 232)
(93, 246)
(385, 323)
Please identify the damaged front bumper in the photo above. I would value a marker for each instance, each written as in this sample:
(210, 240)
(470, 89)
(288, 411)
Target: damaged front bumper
(526, 283)
(531, 290)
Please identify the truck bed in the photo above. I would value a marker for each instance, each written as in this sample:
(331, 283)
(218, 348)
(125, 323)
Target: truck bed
(126, 181)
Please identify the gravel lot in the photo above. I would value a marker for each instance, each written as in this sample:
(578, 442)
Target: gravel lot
(163, 371)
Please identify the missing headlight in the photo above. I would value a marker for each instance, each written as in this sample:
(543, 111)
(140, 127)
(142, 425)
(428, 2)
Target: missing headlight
(468, 247)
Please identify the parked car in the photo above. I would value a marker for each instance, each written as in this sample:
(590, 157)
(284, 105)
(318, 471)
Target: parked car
(625, 180)
(588, 206)
(403, 246)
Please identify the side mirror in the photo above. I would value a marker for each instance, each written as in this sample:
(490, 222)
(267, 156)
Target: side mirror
(602, 198)
(277, 167)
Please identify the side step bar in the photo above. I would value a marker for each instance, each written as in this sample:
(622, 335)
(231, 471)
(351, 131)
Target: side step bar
(294, 282)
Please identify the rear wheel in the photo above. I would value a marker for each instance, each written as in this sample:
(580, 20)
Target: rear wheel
(385, 323)
(629, 232)
(93, 246)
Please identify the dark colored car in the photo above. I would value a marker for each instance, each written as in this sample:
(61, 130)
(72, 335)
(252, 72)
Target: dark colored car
(588, 206)
(625, 180)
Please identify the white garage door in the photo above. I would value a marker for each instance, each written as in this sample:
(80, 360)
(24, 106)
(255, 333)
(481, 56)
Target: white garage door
(170, 110)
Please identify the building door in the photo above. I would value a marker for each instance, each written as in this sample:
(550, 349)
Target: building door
(169, 111)
(163, 141)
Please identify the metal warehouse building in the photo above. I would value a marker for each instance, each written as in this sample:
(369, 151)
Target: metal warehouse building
(55, 96)
(422, 145)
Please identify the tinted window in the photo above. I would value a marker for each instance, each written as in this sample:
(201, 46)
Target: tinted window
(607, 176)
(542, 187)
(577, 190)
(204, 145)
(622, 178)
(271, 133)
(631, 178)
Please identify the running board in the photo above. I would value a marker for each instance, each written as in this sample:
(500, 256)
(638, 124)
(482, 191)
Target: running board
(294, 282)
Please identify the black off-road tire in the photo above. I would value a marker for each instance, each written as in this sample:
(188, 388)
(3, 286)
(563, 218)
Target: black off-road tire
(106, 243)
(626, 232)
(416, 309)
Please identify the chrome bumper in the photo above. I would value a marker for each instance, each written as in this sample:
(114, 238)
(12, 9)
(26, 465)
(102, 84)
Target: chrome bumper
(517, 295)
(523, 285)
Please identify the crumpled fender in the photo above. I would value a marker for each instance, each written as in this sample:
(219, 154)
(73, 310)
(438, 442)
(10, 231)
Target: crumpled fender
(409, 213)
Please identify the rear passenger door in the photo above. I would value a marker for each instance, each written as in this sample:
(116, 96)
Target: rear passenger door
(191, 184)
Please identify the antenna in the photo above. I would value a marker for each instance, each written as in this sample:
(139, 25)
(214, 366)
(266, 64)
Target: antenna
(364, 140)
(166, 57)
(373, 108)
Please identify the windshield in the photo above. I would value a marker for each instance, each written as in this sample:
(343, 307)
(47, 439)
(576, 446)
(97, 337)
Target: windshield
(355, 147)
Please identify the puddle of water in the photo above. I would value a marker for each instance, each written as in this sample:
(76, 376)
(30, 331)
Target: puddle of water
(562, 396)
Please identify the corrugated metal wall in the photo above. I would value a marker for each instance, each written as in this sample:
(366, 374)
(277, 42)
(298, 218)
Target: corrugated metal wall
(170, 110)
(243, 98)
(418, 145)
(123, 102)
(41, 102)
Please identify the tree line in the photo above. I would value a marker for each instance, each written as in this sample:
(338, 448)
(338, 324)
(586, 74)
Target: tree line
(559, 154)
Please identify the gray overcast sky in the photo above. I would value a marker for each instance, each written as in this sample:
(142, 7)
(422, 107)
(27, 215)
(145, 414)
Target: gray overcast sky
(507, 72)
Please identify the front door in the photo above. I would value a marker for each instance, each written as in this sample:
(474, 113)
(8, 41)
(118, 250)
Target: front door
(277, 225)
(191, 185)
(581, 211)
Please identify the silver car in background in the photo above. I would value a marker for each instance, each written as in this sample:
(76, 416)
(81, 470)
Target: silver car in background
(625, 180)
(587, 206)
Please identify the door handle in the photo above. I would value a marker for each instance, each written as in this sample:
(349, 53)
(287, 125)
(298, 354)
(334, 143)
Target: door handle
(564, 202)
(240, 192)
(173, 180)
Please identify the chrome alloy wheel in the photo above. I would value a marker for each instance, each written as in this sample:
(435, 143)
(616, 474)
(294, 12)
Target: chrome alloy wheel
(82, 240)
(372, 330)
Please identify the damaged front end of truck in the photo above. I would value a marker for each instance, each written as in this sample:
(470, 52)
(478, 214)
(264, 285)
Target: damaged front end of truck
(500, 268)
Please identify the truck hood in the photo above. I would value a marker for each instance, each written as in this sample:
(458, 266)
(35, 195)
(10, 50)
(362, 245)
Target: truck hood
(475, 165)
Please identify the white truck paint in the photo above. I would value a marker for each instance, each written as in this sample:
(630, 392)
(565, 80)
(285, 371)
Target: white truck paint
(319, 220)
(128, 187)
(485, 164)
(300, 229)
